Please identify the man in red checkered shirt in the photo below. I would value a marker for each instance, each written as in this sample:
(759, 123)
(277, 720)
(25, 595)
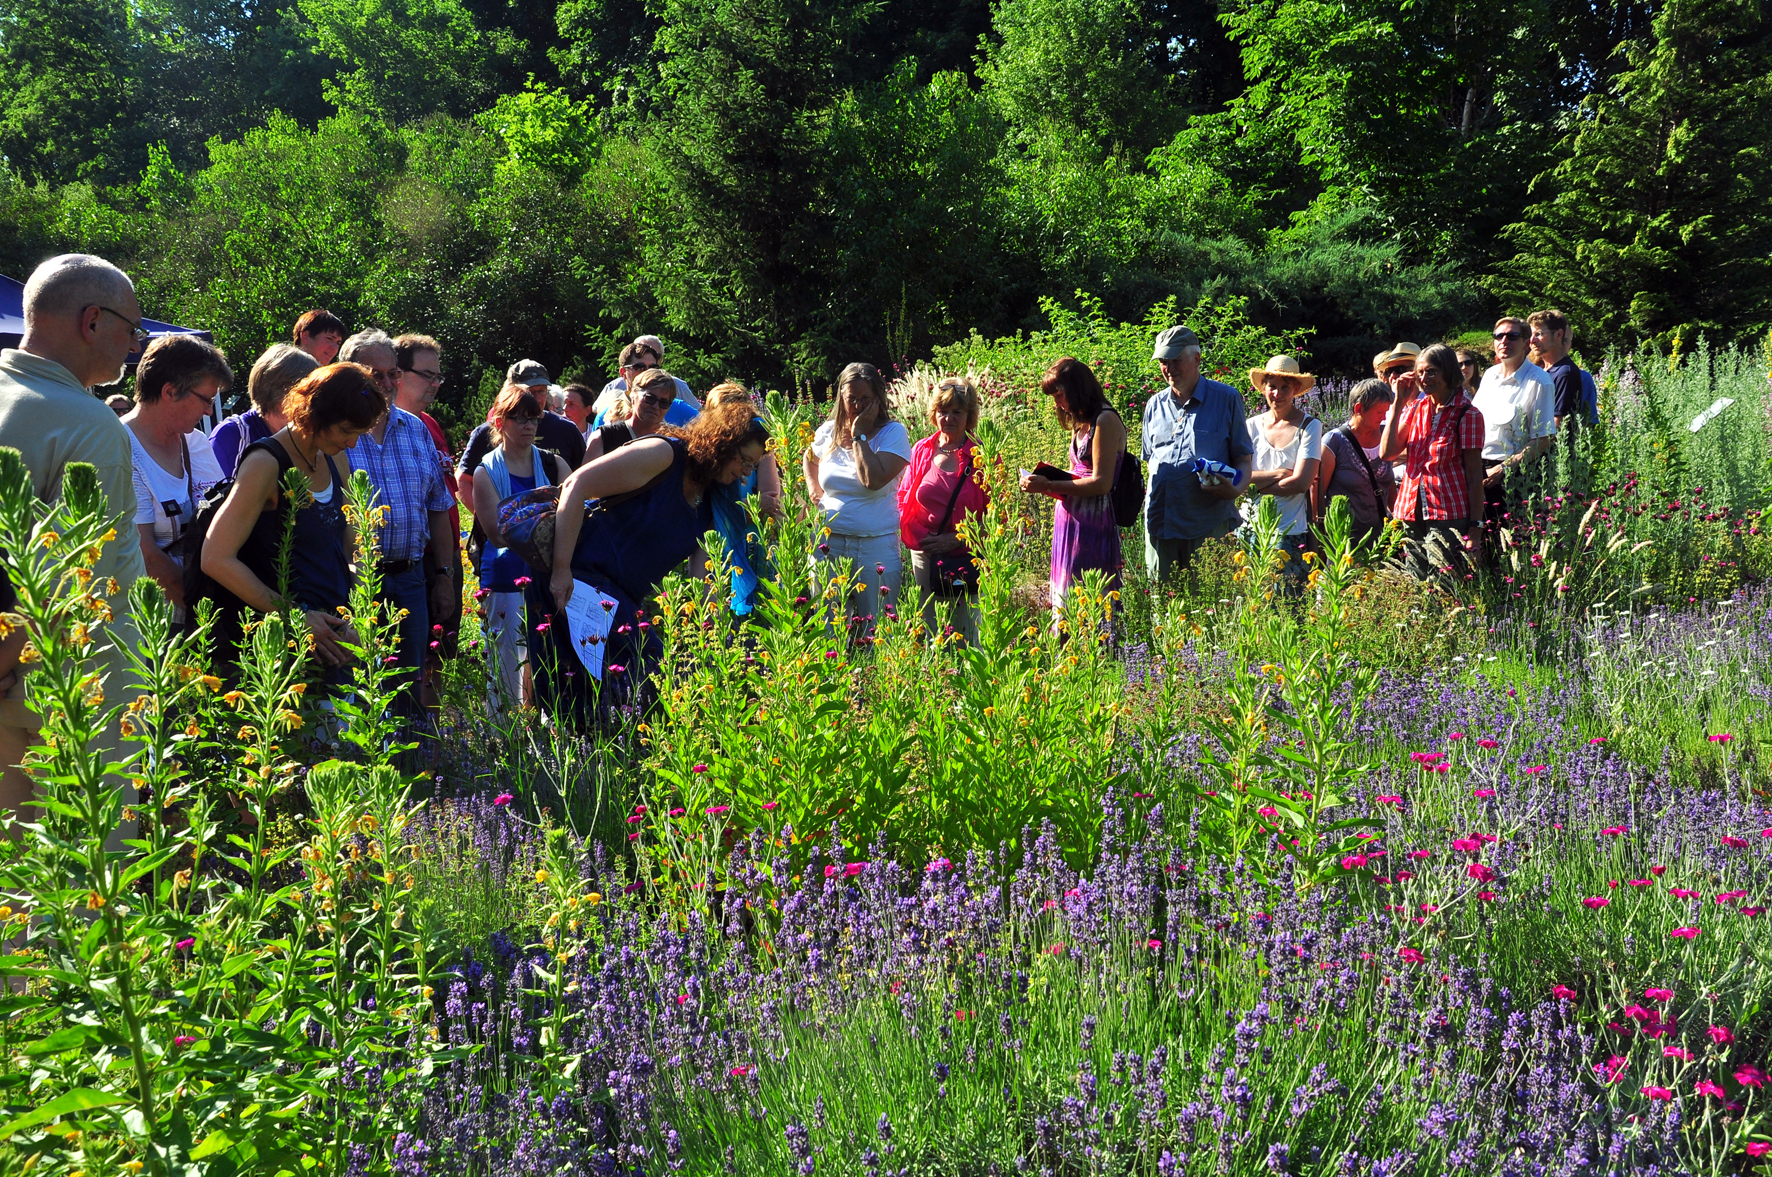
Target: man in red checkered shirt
(1440, 435)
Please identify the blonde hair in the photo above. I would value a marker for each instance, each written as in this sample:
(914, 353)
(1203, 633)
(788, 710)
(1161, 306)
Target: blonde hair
(721, 392)
(841, 426)
(955, 392)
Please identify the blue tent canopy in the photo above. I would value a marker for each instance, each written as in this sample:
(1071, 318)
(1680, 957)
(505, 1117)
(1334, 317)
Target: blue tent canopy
(12, 317)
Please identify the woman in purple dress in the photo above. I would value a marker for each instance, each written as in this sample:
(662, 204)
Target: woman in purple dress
(1084, 533)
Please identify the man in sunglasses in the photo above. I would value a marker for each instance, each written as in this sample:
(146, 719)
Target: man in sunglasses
(645, 354)
(1518, 402)
(82, 322)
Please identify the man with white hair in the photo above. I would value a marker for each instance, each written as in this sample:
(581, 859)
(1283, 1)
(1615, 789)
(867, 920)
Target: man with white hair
(412, 482)
(82, 322)
(1194, 417)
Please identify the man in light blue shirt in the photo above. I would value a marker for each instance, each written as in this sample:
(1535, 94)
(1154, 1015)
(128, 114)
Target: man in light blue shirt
(1192, 418)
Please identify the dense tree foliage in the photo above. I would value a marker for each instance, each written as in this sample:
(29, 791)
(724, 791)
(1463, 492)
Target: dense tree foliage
(781, 186)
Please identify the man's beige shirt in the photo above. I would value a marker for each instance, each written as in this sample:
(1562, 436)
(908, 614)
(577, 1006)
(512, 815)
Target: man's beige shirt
(51, 419)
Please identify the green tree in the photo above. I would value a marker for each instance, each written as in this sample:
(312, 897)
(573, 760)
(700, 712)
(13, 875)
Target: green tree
(404, 59)
(70, 88)
(1657, 223)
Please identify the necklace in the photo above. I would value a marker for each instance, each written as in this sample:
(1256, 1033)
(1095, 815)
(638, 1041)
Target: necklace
(313, 466)
(951, 449)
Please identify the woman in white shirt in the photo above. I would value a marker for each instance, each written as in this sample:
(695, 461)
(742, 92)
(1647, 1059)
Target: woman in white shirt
(852, 469)
(1288, 446)
(175, 385)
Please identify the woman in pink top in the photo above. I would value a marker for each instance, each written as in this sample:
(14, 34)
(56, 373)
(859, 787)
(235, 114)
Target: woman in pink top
(939, 489)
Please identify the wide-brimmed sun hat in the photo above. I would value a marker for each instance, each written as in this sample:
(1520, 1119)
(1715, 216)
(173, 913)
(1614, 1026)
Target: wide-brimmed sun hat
(1280, 366)
(1403, 353)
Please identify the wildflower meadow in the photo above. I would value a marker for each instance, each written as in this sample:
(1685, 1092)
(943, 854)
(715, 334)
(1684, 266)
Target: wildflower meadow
(1463, 876)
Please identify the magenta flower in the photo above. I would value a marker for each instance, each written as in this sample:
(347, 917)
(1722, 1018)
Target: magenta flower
(1721, 1035)
(1268, 811)
(1420, 853)
(1654, 1092)
(1455, 735)
(1758, 1148)
(1485, 743)
(700, 768)
(1707, 1087)
(503, 799)
(636, 817)
(830, 872)
(1486, 896)
(1662, 995)
(521, 582)
(1641, 882)
(1686, 933)
(1734, 843)
(187, 942)
(1597, 740)
(740, 1072)
(1412, 955)
(183, 1040)
(1483, 794)
(1353, 862)
(678, 812)
(1467, 845)
(1751, 912)
(1595, 902)
(1481, 873)
(1658, 871)
(1613, 1067)
(1720, 738)
(937, 866)
(1750, 1077)
(616, 668)
(1731, 896)
(1153, 944)
(853, 869)
(1682, 893)
(1535, 769)
(769, 806)
(1389, 799)
(1678, 1052)
(717, 810)
(1614, 831)
(1562, 993)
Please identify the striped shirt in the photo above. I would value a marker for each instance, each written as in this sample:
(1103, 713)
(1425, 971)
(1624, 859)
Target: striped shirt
(410, 476)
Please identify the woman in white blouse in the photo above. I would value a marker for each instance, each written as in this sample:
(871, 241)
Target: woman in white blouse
(1288, 446)
(852, 469)
(175, 385)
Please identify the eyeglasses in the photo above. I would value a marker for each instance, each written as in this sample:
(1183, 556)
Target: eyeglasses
(1501, 335)
(656, 404)
(137, 332)
(640, 366)
(428, 377)
(523, 418)
(386, 375)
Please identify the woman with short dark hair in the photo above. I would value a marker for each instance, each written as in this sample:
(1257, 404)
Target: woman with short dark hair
(328, 412)
(177, 380)
(1085, 534)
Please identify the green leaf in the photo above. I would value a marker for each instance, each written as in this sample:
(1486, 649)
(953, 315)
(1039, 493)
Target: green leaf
(80, 1099)
(72, 1038)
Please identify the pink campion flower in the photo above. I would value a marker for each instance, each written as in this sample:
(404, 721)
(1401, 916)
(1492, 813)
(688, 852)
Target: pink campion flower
(830, 872)
(1481, 873)
(1721, 1035)
(1562, 993)
(1621, 1028)
(1637, 1013)
(679, 811)
(187, 942)
(853, 869)
(1419, 853)
(1641, 882)
(1750, 1077)
(740, 1072)
(183, 1040)
(634, 817)
(1613, 1067)
(1686, 933)
(1389, 799)
(1654, 1092)
(1467, 845)
(1710, 1088)
(1442, 767)
(1073, 893)
(1412, 955)
(1597, 740)
(1455, 735)
(699, 769)
(1758, 1148)
(937, 866)
(1353, 862)
(1430, 908)
(1486, 743)
(503, 799)
(1486, 896)
(521, 582)
(1483, 794)
(639, 809)
(1658, 871)
(1720, 738)
(1683, 893)
(1396, 907)
(1612, 884)
(543, 627)
(634, 837)
(1678, 1052)
(769, 806)
(1731, 896)
(1595, 902)
(1535, 769)
(1268, 811)
(717, 810)
(1153, 944)
(1403, 876)
(1486, 837)
(1751, 912)
(1766, 833)
(1734, 843)
(682, 999)
(1614, 831)
(1662, 995)
(1057, 949)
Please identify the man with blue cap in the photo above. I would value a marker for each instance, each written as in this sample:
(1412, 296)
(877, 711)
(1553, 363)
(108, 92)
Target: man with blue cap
(1194, 418)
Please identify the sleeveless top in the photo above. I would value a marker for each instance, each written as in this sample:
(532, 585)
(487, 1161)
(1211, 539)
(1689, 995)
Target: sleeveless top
(500, 567)
(630, 547)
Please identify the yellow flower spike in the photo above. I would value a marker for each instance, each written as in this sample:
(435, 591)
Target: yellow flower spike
(212, 682)
(49, 539)
(593, 899)
(29, 654)
(541, 876)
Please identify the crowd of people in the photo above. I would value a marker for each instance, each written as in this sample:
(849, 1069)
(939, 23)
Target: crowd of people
(631, 477)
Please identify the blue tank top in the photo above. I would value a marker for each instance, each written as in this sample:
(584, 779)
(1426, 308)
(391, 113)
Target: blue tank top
(630, 547)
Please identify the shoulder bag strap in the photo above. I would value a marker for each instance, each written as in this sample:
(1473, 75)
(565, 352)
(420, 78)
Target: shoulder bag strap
(1366, 464)
(959, 485)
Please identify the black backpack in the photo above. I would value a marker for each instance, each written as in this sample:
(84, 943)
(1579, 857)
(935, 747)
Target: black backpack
(1128, 490)
(197, 583)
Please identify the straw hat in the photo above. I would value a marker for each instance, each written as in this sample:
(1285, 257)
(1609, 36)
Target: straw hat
(1280, 366)
(1403, 353)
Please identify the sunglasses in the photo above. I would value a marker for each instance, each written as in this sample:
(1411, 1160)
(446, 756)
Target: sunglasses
(1501, 335)
(521, 418)
(656, 404)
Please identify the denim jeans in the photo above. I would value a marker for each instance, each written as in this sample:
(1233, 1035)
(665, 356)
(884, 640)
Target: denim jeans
(406, 590)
